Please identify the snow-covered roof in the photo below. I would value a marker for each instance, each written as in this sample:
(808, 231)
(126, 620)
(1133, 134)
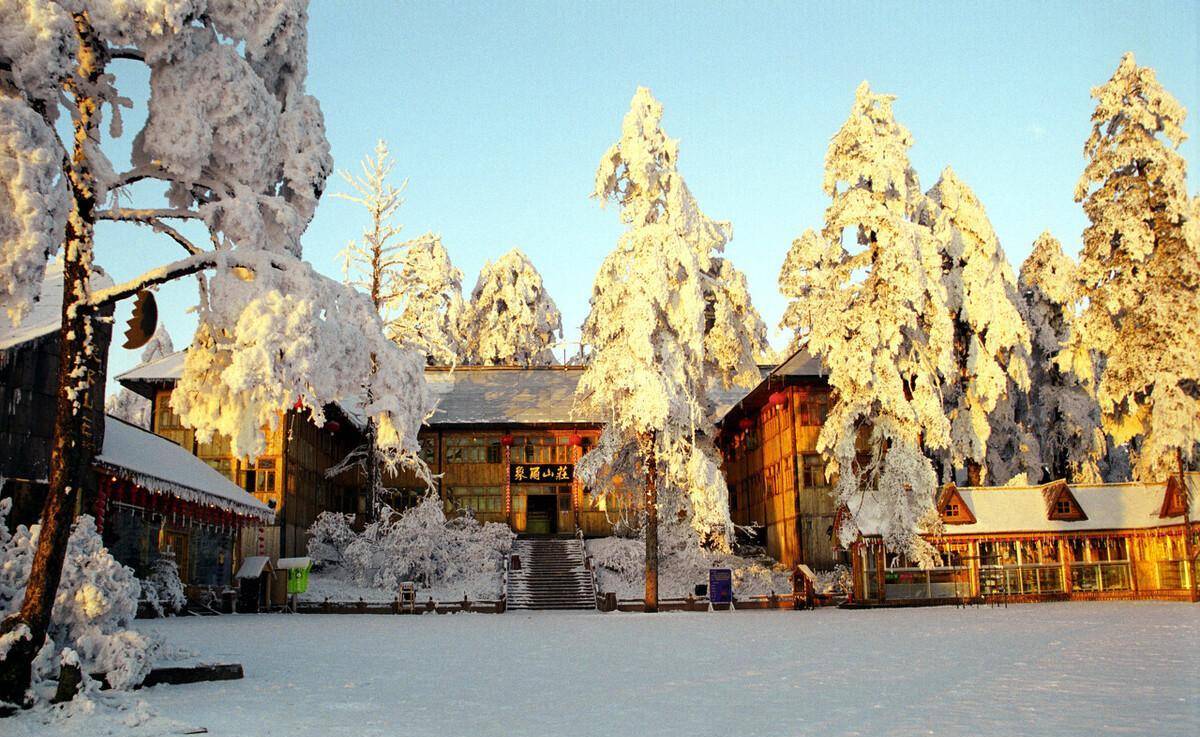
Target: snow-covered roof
(158, 464)
(800, 363)
(477, 395)
(166, 368)
(1024, 509)
(45, 315)
(287, 564)
(253, 567)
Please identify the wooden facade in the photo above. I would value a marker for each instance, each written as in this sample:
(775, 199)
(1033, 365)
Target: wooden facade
(289, 475)
(1120, 541)
(475, 468)
(777, 482)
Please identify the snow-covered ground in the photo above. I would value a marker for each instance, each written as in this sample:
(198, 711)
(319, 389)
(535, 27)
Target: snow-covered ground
(1045, 669)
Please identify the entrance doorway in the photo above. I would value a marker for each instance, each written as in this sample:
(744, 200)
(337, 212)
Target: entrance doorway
(541, 517)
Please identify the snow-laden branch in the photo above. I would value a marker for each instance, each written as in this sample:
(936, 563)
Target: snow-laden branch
(194, 264)
(147, 213)
(151, 171)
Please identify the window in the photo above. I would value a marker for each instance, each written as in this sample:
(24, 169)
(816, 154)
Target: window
(479, 499)
(814, 471)
(811, 411)
(462, 449)
(1063, 506)
(952, 510)
(429, 449)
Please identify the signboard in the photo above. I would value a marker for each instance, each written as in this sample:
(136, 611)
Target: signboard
(720, 585)
(541, 473)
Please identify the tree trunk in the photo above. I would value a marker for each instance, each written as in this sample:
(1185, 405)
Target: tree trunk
(651, 524)
(974, 473)
(71, 452)
(374, 482)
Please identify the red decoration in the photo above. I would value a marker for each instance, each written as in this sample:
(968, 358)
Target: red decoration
(333, 426)
(575, 439)
(745, 423)
(299, 404)
(777, 399)
(506, 440)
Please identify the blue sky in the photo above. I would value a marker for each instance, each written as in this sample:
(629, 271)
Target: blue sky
(498, 114)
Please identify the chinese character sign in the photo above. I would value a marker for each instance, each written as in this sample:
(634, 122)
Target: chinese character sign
(541, 473)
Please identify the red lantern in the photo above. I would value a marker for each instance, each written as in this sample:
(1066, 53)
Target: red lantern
(777, 399)
(575, 439)
(333, 426)
(745, 423)
(506, 440)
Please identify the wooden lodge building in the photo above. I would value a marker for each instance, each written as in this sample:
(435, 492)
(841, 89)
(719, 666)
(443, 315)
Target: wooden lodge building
(147, 496)
(289, 476)
(1049, 542)
(505, 442)
(776, 477)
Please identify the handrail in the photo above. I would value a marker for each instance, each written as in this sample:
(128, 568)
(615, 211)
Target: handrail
(591, 569)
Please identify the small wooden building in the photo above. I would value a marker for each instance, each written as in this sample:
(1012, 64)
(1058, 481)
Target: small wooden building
(776, 477)
(29, 356)
(289, 475)
(155, 497)
(504, 442)
(1049, 542)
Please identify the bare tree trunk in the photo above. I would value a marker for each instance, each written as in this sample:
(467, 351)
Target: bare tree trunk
(651, 524)
(71, 452)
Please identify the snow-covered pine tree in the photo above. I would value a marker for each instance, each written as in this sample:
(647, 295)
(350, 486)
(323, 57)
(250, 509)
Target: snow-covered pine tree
(134, 408)
(668, 319)
(1139, 274)
(1062, 411)
(991, 341)
(878, 320)
(511, 319)
(431, 304)
(239, 149)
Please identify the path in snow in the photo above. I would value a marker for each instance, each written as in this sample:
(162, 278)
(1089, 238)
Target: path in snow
(1127, 668)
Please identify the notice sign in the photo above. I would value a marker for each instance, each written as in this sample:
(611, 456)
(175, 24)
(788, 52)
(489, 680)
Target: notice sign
(541, 473)
(720, 585)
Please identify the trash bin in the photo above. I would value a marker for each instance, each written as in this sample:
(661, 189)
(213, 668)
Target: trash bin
(297, 573)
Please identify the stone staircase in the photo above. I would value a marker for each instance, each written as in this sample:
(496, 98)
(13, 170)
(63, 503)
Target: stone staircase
(552, 576)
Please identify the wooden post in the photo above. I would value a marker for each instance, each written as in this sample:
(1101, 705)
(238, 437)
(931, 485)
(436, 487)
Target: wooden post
(651, 524)
(1189, 566)
(1064, 555)
(880, 564)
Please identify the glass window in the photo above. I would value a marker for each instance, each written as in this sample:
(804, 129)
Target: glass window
(814, 471)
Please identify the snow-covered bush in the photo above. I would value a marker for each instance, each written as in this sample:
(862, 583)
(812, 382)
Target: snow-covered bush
(620, 565)
(163, 589)
(420, 545)
(328, 537)
(95, 604)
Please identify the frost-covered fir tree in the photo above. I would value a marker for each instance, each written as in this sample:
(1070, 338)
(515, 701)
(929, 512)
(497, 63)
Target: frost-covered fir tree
(134, 408)
(877, 318)
(238, 149)
(511, 319)
(431, 304)
(991, 342)
(1139, 274)
(668, 320)
(1065, 415)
